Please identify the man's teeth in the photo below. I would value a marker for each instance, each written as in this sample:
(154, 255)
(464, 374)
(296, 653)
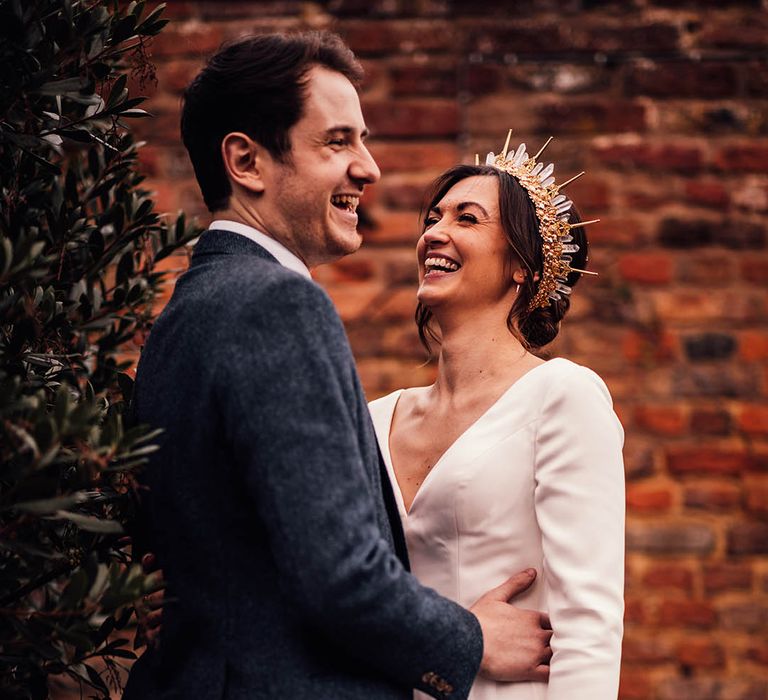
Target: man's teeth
(440, 264)
(345, 201)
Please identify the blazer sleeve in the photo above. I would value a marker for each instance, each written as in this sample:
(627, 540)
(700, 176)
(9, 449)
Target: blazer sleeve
(579, 501)
(286, 377)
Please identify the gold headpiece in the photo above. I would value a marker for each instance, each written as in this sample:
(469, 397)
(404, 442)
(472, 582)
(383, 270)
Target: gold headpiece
(552, 212)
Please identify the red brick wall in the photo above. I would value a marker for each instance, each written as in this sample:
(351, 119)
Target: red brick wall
(665, 104)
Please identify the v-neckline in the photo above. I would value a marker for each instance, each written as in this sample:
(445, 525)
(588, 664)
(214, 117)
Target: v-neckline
(387, 452)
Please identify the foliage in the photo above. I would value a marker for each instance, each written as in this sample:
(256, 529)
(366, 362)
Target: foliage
(78, 242)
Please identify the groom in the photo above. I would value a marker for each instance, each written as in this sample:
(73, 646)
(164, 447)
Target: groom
(283, 554)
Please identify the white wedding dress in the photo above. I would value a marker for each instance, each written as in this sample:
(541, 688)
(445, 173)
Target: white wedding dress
(537, 480)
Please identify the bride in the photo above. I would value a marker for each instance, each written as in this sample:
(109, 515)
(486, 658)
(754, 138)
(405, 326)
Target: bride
(507, 461)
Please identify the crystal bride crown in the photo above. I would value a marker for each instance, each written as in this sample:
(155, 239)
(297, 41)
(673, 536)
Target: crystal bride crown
(552, 213)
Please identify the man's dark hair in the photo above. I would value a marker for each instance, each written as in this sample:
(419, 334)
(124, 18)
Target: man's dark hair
(257, 86)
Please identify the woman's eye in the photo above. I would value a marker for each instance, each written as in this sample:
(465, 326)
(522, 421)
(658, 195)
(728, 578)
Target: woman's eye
(430, 221)
(336, 142)
(469, 218)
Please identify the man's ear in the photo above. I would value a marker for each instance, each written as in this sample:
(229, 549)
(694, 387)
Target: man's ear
(244, 161)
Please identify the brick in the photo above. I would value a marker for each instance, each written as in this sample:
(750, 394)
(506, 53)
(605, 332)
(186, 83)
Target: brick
(709, 346)
(638, 650)
(707, 193)
(752, 195)
(397, 305)
(711, 421)
(753, 419)
(592, 116)
(755, 270)
(514, 37)
(757, 79)
(712, 497)
(422, 80)
(707, 269)
(187, 39)
(711, 688)
(403, 194)
(366, 8)
(687, 613)
(395, 157)
(353, 268)
(176, 75)
(740, 235)
(748, 538)
(616, 231)
(480, 78)
(352, 305)
(638, 459)
(661, 419)
(566, 79)
(700, 653)
(743, 617)
(690, 308)
(648, 346)
(390, 36)
(591, 194)
(707, 460)
(753, 346)
(634, 610)
(726, 577)
(670, 539)
(687, 233)
(432, 118)
(678, 80)
(730, 380)
(748, 33)
(394, 227)
(756, 490)
(646, 268)
(669, 576)
(751, 157)
(627, 36)
(758, 652)
(642, 499)
(633, 153)
(634, 685)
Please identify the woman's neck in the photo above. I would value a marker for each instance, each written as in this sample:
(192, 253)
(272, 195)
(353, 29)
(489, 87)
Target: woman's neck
(478, 352)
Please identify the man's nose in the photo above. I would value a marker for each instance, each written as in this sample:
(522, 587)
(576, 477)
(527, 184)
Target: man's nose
(363, 168)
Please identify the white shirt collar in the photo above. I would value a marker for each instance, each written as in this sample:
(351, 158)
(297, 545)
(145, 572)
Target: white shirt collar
(284, 256)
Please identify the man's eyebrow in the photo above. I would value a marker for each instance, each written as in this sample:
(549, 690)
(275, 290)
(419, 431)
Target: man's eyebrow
(347, 131)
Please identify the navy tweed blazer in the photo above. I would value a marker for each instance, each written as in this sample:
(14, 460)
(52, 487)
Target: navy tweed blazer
(266, 508)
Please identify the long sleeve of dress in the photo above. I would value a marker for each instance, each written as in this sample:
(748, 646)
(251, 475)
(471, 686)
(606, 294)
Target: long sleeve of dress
(579, 502)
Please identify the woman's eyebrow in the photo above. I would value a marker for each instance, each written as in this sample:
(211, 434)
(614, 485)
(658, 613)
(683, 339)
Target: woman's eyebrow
(463, 205)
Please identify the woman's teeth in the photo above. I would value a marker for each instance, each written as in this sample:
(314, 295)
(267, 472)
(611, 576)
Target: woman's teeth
(345, 201)
(440, 264)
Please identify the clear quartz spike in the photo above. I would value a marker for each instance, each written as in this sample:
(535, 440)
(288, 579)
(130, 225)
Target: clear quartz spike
(563, 288)
(564, 207)
(570, 248)
(520, 155)
(539, 167)
(547, 172)
(547, 182)
(559, 199)
(490, 158)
